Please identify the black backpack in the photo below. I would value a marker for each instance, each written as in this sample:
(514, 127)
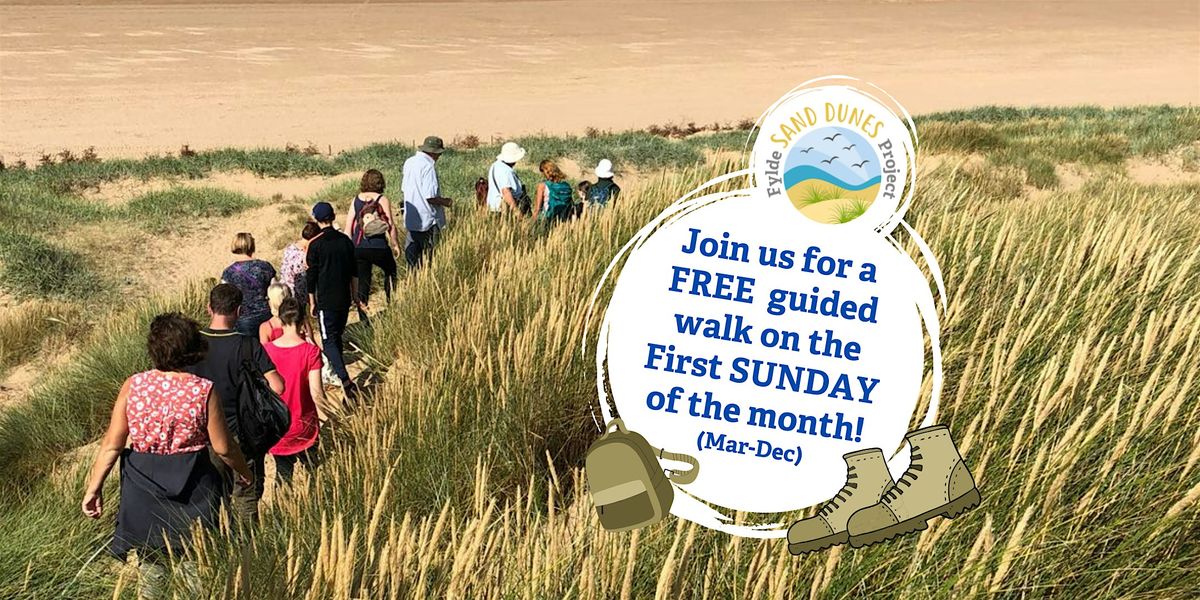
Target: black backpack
(263, 418)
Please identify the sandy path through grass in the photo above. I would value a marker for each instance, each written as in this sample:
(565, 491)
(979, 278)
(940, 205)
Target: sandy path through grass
(143, 264)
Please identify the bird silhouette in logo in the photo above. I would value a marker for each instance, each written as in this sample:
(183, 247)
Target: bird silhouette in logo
(829, 160)
(850, 147)
(833, 137)
(859, 165)
(805, 151)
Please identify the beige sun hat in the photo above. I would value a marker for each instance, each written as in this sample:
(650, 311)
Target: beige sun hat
(510, 152)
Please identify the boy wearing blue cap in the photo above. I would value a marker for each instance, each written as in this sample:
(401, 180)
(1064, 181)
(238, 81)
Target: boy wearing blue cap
(332, 279)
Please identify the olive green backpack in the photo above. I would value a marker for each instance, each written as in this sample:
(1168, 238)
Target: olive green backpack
(627, 483)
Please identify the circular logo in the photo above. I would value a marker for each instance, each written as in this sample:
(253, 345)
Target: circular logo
(839, 154)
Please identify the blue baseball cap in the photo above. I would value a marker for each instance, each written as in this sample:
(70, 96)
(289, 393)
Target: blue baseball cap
(323, 212)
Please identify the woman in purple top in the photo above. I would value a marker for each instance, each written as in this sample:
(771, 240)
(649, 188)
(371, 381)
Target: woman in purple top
(252, 276)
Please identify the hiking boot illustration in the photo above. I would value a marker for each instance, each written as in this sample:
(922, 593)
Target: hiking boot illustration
(937, 482)
(867, 478)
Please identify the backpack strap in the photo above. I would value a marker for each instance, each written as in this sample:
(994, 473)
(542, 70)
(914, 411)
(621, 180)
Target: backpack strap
(246, 351)
(680, 477)
(674, 476)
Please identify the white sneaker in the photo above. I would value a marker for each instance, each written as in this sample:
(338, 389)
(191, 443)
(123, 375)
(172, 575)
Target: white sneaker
(328, 377)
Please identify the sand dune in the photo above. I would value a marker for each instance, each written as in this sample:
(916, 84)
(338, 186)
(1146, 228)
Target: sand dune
(141, 77)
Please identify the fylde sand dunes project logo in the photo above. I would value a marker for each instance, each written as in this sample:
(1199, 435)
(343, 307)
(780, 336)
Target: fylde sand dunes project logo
(836, 151)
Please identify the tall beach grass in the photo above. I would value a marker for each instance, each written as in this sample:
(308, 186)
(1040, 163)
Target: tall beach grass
(1070, 340)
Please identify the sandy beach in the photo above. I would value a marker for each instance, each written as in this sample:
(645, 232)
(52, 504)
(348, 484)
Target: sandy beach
(134, 78)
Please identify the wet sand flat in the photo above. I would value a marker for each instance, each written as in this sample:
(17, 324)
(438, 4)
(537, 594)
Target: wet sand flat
(137, 78)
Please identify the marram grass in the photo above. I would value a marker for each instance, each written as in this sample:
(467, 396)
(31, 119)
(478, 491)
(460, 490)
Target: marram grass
(1070, 338)
(1071, 346)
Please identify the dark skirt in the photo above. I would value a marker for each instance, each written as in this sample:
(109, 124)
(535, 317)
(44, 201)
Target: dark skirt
(162, 496)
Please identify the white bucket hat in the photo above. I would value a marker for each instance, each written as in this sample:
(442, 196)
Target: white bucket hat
(510, 152)
(604, 169)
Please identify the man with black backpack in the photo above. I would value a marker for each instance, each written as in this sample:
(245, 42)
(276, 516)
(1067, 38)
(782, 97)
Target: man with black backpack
(223, 365)
(605, 190)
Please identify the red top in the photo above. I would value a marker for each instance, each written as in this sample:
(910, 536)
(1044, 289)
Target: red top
(167, 412)
(276, 333)
(294, 365)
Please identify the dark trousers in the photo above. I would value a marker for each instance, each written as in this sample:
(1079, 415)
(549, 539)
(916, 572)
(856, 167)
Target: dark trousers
(333, 326)
(285, 466)
(374, 257)
(421, 245)
(246, 499)
(243, 501)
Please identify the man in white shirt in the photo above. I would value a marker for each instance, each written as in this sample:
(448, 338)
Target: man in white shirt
(504, 187)
(424, 206)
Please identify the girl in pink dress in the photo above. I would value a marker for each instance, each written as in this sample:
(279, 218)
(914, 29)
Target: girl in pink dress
(298, 361)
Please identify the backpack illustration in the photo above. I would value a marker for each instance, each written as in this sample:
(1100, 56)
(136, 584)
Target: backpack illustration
(628, 485)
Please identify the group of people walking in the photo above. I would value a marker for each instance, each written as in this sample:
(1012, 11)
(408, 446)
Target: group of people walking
(553, 199)
(174, 429)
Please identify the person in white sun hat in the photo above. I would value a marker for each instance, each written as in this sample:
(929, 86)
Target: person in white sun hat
(605, 190)
(505, 190)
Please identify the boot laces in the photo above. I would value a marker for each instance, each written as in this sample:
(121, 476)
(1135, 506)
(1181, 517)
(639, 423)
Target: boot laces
(907, 479)
(842, 495)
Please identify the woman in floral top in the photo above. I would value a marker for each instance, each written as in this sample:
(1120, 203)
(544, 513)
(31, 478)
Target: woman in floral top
(291, 269)
(168, 482)
(252, 276)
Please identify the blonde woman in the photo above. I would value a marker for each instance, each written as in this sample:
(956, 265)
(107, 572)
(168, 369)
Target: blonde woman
(272, 328)
(252, 276)
(553, 196)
